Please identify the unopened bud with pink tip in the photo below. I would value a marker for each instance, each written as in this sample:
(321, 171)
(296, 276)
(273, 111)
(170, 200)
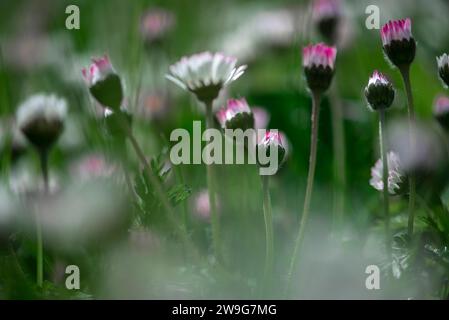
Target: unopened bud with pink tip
(271, 141)
(398, 42)
(104, 83)
(319, 66)
(235, 114)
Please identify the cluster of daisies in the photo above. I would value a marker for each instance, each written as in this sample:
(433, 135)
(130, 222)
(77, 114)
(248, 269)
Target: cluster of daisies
(206, 74)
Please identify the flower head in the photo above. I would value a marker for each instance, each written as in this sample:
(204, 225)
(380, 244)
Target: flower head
(379, 92)
(443, 68)
(236, 114)
(326, 15)
(318, 62)
(205, 74)
(104, 83)
(395, 174)
(155, 24)
(441, 111)
(41, 119)
(398, 42)
(272, 140)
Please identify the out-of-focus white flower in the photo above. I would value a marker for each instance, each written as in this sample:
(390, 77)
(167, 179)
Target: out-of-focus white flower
(84, 214)
(155, 24)
(395, 174)
(327, 15)
(326, 9)
(23, 182)
(152, 106)
(428, 153)
(260, 30)
(41, 119)
(205, 74)
(201, 205)
(143, 239)
(441, 105)
(92, 166)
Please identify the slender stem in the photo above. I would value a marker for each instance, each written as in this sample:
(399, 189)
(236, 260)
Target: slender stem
(309, 188)
(180, 175)
(405, 72)
(339, 148)
(269, 242)
(385, 173)
(155, 183)
(211, 189)
(43, 157)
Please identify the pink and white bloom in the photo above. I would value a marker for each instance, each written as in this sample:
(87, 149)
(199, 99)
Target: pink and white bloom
(319, 55)
(232, 108)
(98, 70)
(205, 70)
(396, 30)
(441, 105)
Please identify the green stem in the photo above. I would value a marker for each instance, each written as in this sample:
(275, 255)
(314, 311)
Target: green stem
(43, 155)
(211, 189)
(405, 72)
(180, 175)
(339, 148)
(155, 183)
(269, 242)
(309, 188)
(385, 173)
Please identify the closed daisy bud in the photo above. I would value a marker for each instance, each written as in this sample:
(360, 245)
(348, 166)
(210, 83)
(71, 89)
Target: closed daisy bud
(205, 74)
(104, 84)
(443, 68)
(441, 111)
(326, 15)
(396, 176)
(379, 92)
(318, 62)
(236, 114)
(398, 42)
(272, 139)
(41, 119)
